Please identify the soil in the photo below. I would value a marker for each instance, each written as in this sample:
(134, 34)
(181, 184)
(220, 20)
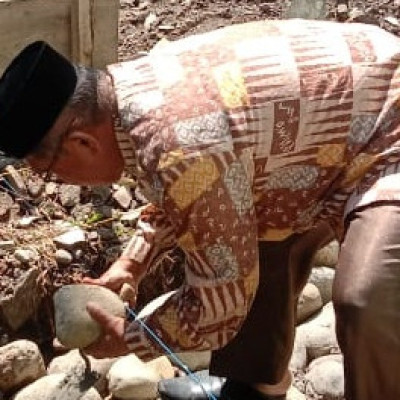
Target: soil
(143, 23)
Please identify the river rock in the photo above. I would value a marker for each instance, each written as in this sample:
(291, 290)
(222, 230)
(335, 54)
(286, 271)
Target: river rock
(20, 363)
(56, 387)
(130, 378)
(74, 327)
(70, 195)
(328, 255)
(309, 303)
(326, 376)
(73, 359)
(21, 305)
(63, 257)
(322, 278)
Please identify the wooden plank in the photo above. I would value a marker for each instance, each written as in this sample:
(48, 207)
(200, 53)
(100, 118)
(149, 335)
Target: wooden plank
(85, 31)
(82, 31)
(105, 16)
(22, 22)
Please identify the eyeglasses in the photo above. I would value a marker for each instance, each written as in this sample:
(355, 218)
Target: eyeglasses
(46, 175)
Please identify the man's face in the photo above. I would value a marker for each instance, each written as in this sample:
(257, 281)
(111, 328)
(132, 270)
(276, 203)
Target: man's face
(89, 157)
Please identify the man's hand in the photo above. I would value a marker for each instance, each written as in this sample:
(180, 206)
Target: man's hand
(114, 278)
(111, 343)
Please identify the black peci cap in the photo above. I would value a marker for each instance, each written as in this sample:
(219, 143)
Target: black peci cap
(34, 89)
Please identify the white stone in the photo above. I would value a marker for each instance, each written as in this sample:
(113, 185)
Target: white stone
(55, 387)
(196, 360)
(162, 367)
(25, 255)
(63, 257)
(322, 278)
(294, 394)
(26, 221)
(7, 244)
(100, 366)
(20, 363)
(309, 303)
(326, 376)
(150, 20)
(123, 197)
(51, 188)
(130, 378)
(392, 21)
(70, 239)
(328, 255)
(320, 341)
(74, 327)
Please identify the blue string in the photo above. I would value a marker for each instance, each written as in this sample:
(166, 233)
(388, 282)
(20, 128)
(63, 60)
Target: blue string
(174, 357)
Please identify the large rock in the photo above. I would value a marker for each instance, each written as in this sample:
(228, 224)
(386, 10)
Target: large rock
(57, 387)
(328, 255)
(73, 359)
(196, 360)
(310, 302)
(162, 366)
(20, 363)
(130, 378)
(21, 305)
(74, 327)
(326, 376)
(322, 278)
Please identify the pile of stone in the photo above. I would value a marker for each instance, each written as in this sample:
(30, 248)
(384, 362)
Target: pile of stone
(316, 362)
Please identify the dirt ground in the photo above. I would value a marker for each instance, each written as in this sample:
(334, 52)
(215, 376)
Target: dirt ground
(144, 22)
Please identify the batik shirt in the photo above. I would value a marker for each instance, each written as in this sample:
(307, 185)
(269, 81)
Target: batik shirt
(248, 133)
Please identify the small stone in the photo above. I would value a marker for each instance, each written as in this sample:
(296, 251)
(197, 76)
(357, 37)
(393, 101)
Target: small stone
(130, 378)
(6, 203)
(166, 27)
(71, 239)
(63, 257)
(309, 303)
(123, 197)
(131, 217)
(393, 21)
(100, 194)
(342, 8)
(26, 221)
(7, 244)
(25, 255)
(93, 236)
(150, 20)
(35, 187)
(51, 189)
(70, 195)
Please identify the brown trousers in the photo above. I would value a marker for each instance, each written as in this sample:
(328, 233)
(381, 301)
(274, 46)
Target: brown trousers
(366, 299)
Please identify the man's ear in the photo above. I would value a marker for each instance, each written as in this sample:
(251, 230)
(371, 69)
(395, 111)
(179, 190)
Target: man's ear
(82, 144)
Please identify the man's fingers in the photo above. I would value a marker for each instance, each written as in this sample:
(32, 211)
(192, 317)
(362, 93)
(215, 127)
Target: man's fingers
(93, 281)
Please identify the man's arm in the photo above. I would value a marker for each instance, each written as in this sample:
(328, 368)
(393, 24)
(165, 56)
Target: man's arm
(210, 204)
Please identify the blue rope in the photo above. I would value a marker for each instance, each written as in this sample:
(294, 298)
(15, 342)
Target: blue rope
(174, 357)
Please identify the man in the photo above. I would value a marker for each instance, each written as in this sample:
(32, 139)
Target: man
(251, 142)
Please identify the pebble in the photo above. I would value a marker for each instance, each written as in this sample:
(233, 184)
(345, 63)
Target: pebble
(71, 239)
(70, 195)
(26, 221)
(150, 20)
(7, 244)
(63, 257)
(15, 179)
(25, 255)
(123, 197)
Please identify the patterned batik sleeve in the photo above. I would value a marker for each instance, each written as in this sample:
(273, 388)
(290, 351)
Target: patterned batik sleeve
(209, 199)
(153, 238)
